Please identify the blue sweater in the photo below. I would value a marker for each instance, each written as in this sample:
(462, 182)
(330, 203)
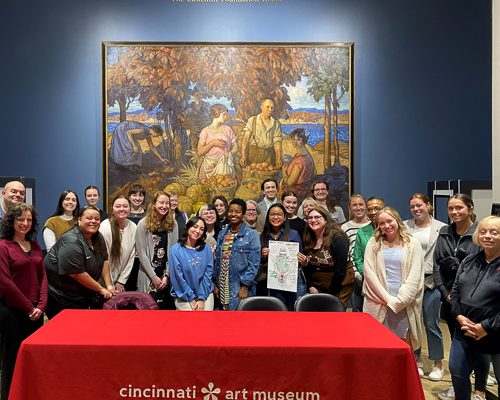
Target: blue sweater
(191, 272)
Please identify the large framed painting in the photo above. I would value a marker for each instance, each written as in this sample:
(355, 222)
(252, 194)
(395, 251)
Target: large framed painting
(206, 119)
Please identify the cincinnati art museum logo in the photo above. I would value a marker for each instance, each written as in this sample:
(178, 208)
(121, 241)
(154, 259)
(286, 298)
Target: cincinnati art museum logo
(212, 392)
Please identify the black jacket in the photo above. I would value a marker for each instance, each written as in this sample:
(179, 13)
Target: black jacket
(476, 295)
(448, 255)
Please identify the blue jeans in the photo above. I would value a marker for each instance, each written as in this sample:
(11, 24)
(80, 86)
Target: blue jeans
(463, 362)
(289, 298)
(431, 305)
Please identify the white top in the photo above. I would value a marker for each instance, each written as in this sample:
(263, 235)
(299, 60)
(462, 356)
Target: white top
(351, 229)
(120, 271)
(49, 236)
(422, 235)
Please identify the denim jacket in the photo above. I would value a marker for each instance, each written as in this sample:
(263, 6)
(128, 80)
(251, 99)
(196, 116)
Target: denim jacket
(243, 263)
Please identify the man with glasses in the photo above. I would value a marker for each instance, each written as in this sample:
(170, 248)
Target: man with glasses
(373, 206)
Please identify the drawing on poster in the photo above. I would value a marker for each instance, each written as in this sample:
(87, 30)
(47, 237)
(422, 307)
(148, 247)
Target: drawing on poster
(206, 119)
(282, 266)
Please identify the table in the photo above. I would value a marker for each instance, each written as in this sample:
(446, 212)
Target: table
(214, 356)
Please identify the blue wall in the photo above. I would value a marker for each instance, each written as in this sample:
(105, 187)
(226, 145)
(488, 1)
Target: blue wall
(423, 81)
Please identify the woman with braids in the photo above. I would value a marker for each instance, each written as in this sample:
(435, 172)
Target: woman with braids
(191, 269)
(119, 235)
(236, 259)
(320, 192)
(394, 278)
(23, 285)
(326, 255)
(155, 235)
(277, 228)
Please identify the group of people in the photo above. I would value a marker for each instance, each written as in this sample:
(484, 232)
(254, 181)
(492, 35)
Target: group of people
(399, 272)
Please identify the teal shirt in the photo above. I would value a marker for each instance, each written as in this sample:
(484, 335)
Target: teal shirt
(364, 234)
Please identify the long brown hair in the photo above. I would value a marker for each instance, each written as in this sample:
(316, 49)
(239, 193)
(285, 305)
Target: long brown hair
(115, 252)
(330, 204)
(331, 229)
(152, 224)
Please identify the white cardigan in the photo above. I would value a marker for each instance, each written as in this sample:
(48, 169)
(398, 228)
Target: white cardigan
(120, 271)
(377, 297)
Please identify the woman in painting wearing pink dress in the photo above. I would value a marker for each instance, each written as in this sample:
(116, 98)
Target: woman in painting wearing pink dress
(301, 169)
(218, 145)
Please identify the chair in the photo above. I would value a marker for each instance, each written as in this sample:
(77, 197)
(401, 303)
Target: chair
(319, 302)
(261, 303)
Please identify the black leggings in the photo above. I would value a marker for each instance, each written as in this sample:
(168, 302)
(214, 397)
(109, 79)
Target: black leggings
(15, 326)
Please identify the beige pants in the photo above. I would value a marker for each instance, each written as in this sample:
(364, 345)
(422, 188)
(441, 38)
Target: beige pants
(185, 306)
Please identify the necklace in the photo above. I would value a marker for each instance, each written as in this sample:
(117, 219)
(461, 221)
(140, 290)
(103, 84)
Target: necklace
(25, 245)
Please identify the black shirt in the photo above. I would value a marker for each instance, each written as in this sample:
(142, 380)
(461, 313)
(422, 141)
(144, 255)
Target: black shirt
(72, 255)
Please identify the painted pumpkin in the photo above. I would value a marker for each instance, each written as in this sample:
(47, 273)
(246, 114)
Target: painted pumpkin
(194, 192)
(185, 204)
(175, 187)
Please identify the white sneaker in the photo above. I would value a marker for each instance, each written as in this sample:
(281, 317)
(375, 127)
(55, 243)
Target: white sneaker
(448, 394)
(420, 366)
(491, 381)
(436, 374)
(477, 397)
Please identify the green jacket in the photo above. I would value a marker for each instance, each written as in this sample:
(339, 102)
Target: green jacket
(364, 234)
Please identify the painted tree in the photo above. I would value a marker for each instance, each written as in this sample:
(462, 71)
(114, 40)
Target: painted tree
(330, 80)
(120, 88)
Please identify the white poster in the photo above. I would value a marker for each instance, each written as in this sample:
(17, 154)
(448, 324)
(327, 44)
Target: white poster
(282, 266)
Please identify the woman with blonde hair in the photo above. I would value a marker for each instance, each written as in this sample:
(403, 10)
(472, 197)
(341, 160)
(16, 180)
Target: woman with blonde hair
(394, 278)
(155, 235)
(426, 229)
(307, 205)
(326, 257)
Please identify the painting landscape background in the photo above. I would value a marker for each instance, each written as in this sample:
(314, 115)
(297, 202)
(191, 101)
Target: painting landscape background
(311, 87)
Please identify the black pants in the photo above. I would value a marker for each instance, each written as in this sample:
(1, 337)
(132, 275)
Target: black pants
(15, 326)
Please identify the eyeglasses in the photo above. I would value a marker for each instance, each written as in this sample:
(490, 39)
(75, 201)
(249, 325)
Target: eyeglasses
(321, 190)
(280, 215)
(208, 213)
(251, 211)
(314, 218)
(376, 209)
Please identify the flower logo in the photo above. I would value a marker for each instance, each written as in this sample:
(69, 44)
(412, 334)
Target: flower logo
(211, 392)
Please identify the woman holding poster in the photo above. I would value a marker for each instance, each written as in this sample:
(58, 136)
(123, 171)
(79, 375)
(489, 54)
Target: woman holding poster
(277, 228)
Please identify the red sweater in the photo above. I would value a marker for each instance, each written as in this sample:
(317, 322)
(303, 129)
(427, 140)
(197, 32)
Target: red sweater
(23, 281)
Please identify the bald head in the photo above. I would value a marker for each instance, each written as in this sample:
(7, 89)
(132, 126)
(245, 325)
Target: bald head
(14, 192)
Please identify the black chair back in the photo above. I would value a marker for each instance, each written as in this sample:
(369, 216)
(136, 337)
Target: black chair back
(261, 303)
(319, 302)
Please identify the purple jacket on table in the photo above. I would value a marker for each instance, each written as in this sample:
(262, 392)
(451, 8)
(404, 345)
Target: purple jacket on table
(23, 281)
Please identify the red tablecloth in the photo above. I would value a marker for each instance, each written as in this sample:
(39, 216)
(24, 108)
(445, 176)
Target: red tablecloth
(108, 355)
